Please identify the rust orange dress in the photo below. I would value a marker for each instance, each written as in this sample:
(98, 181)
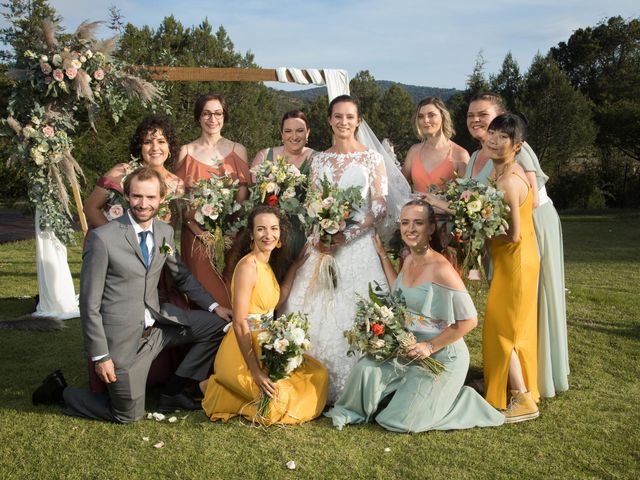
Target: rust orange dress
(191, 170)
(424, 180)
(511, 315)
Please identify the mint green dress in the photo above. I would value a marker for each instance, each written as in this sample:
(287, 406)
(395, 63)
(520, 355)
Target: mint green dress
(420, 400)
(553, 349)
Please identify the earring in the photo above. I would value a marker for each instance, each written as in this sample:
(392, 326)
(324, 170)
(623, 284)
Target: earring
(169, 156)
(279, 244)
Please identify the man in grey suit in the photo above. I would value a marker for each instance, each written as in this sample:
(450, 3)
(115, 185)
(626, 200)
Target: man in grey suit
(124, 325)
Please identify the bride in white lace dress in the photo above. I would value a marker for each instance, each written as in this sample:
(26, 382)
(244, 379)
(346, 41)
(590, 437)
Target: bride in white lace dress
(346, 164)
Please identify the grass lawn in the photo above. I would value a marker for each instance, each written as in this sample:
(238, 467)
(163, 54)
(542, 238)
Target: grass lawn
(591, 431)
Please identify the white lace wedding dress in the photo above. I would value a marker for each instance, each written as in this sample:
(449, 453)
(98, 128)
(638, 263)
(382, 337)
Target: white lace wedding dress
(358, 264)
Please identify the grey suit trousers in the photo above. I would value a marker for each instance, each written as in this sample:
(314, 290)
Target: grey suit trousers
(125, 401)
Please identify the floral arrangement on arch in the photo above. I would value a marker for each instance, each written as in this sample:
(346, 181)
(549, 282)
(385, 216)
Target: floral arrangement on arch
(379, 329)
(279, 184)
(54, 81)
(480, 212)
(214, 201)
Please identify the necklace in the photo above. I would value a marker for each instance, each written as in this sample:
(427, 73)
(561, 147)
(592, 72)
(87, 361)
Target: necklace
(503, 170)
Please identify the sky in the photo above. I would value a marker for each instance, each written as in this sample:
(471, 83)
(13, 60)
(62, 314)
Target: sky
(417, 42)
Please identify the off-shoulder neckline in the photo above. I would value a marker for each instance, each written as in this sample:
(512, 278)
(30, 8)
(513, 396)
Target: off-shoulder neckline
(401, 280)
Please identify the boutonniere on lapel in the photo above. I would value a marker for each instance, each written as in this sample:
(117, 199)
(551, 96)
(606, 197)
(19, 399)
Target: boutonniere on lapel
(166, 248)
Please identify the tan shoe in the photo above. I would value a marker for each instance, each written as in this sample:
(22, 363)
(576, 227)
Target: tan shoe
(521, 408)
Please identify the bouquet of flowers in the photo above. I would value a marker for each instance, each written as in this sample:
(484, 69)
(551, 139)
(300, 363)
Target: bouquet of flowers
(283, 343)
(278, 184)
(214, 201)
(479, 213)
(327, 211)
(379, 329)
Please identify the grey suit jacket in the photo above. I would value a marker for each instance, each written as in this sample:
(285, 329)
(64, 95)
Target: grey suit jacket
(116, 287)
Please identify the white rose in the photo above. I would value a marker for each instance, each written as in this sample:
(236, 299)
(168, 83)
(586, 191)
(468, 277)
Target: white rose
(474, 206)
(297, 335)
(377, 343)
(272, 187)
(294, 363)
(281, 345)
(116, 211)
(328, 202)
(329, 226)
(289, 193)
(386, 312)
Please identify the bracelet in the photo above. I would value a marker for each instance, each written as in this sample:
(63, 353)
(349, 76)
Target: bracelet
(430, 347)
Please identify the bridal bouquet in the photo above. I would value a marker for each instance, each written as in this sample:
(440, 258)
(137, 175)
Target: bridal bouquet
(278, 184)
(283, 343)
(214, 201)
(327, 211)
(480, 212)
(379, 329)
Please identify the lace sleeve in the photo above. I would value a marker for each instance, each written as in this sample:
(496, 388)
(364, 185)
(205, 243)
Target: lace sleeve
(377, 196)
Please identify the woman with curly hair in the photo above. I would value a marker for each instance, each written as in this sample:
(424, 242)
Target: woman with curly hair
(153, 143)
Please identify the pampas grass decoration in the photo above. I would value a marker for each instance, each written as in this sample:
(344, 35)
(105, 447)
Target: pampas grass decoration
(15, 125)
(82, 85)
(49, 30)
(106, 47)
(63, 195)
(137, 87)
(87, 30)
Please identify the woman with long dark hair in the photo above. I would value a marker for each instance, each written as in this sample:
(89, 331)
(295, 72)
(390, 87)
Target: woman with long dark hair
(239, 379)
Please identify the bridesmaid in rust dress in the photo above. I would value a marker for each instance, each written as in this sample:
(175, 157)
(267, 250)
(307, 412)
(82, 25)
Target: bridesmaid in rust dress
(210, 154)
(436, 159)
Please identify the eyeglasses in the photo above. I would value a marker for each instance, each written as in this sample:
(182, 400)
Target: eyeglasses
(207, 114)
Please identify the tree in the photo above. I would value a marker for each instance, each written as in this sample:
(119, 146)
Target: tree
(508, 82)
(24, 19)
(320, 136)
(560, 122)
(398, 113)
(604, 63)
(364, 88)
(458, 104)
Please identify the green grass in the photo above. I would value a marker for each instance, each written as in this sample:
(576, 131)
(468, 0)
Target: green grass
(591, 431)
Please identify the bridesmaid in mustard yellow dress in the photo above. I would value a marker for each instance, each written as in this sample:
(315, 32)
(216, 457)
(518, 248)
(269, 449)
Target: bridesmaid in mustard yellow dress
(238, 380)
(509, 337)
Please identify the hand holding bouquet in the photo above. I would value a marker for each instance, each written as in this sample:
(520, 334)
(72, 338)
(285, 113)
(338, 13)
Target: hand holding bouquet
(328, 211)
(214, 201)
(283, 343)
(479, 213)
(379, 330)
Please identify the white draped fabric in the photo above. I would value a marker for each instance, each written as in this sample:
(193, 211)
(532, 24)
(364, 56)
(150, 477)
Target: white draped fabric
(337, 82)
(55, 285)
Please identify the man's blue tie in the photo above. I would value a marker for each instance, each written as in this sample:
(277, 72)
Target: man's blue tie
(143, 246)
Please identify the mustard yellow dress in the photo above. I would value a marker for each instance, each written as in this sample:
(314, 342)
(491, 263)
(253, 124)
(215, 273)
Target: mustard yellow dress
(231, 390)
(511, 316)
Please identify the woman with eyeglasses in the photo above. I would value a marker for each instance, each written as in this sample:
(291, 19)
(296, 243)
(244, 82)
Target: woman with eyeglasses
(210, 154)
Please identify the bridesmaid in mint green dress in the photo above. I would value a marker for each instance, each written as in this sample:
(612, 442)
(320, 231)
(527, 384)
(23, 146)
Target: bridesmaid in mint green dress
(443, 313)
(553, 350)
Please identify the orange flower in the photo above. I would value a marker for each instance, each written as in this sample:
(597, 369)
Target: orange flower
(272, 200)
(377, 329)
